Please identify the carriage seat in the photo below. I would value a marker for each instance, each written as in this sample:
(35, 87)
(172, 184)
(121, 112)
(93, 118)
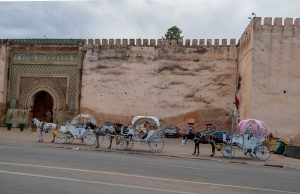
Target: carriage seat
(141, 132)
(253, 139)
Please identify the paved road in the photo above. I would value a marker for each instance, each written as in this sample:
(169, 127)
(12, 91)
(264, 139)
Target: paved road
(27, 169)
(172, 148)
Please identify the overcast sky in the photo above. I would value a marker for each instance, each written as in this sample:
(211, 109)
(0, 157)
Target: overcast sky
(145, 19)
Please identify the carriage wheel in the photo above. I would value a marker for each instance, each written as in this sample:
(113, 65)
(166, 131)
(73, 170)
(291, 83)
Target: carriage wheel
(161, 136)
(129, 144)
(70, 137)
(89, 137)
(156, 144)
(61, 137)
(228, 151)
(262, 152)
(122, 145)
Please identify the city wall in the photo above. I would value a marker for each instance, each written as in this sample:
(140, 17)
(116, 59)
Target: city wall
(193, 80)
(174, 81)
(2, 80)
(276, 78)
(244, 77)
(269, 67)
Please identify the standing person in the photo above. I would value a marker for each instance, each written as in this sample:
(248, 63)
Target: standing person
(270, 136)
(48, 116)
(92, 126)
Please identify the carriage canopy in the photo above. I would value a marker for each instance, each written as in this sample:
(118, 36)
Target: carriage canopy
(252, 126)
(139, 120)
(83, 118)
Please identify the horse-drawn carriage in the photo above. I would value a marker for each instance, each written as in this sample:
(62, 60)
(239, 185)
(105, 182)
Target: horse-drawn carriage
(144, 130)
(249, 138)
(76, 129)
(43, 126)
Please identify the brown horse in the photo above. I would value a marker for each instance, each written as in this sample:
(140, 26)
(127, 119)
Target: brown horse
(200, 138)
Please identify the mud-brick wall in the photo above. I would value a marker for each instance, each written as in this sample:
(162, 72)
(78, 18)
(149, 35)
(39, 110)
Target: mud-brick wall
(244, 77)
(275, 89)
(174, 82)
(2, 81)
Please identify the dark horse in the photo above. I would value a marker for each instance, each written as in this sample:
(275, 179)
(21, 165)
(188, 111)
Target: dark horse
(200, 138)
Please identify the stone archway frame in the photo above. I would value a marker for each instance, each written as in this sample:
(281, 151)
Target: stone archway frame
(30, 99)
(43, 84)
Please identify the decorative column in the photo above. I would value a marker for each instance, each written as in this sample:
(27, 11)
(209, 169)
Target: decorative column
(78, 78)
(191, 122)
(208, 126)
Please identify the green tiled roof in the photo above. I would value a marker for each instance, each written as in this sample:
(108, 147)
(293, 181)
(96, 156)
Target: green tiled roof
(50, 40)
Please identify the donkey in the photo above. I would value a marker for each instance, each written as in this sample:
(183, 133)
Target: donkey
(200, 138)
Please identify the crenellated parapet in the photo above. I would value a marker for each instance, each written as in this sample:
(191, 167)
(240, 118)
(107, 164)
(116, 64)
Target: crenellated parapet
(287, 27)
(96, 43)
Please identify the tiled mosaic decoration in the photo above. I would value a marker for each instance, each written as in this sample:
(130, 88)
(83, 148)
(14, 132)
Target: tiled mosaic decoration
(43, 82)
(58, 70)
(45, 57)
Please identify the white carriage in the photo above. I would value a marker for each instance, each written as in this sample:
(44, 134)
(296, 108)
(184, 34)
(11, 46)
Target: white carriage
(76, 130)
(249, 138)
(144, 130)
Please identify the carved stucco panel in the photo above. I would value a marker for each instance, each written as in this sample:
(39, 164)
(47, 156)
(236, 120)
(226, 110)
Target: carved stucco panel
(43, 84)
(34, 70)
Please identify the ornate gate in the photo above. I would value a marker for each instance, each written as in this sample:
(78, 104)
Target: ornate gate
(43, 106)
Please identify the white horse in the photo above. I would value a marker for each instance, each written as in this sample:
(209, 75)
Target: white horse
(42, 126)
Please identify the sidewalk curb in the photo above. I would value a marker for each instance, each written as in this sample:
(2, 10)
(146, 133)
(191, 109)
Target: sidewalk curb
(176, 156)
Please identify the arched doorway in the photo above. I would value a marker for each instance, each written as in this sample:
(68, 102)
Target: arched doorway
(43, 106)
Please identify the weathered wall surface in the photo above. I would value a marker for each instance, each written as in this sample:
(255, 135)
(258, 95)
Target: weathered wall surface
(179, 82)
(173, 82)
(275, 66)
(244, 77)
(2, 78)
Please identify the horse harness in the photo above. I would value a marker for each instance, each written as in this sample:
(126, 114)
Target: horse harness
(197, 138)
(41, 125)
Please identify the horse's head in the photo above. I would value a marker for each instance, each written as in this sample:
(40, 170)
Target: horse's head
(33, 121)
(183, 142)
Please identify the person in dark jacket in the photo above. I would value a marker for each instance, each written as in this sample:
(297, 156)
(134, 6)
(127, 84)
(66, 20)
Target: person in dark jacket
(92, 126)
